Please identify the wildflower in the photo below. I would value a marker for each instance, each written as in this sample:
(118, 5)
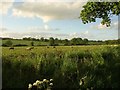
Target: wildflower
(51, 80)
(51, 84)
(80, 82)
(84, 77)
(37, 82)
(34, 84)
(30, 86)
(44, 80)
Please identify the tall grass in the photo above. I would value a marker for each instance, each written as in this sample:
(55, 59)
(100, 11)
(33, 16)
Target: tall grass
(97, 67)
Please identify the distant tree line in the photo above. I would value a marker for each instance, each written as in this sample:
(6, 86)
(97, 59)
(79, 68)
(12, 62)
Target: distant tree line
(57, 42)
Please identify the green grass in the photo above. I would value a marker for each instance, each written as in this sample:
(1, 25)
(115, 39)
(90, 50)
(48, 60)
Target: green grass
(65, 64)
(25, 42)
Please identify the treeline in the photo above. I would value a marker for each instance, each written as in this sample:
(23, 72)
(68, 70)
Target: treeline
(58, 42)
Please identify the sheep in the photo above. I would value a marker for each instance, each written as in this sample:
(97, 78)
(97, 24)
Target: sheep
(11, 48)
(47, 46)
(115, 45)
(29, 48)
(54, 47)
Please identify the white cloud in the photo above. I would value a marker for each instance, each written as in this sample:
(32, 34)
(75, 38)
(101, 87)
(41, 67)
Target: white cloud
(45, 31)
(100, 27)
(54, 0)
(114, 25)
(3, 29)
(4, 35)
(48, 11)
(45, 28)
(5, 6)
(33, 34)
(85, 34)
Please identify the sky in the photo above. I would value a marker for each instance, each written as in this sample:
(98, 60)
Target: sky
(51, 18)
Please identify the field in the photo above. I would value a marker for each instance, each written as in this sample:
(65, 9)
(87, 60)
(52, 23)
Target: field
(26, 42)
(70, 67)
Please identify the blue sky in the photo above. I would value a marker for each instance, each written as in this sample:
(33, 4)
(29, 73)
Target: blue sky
(56, 19)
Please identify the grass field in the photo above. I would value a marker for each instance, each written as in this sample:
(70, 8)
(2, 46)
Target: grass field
(98, 66)
(43, 49)
(26, 42)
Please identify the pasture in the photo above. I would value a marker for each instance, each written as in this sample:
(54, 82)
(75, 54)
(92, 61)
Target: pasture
(46, 49)
(66, 65)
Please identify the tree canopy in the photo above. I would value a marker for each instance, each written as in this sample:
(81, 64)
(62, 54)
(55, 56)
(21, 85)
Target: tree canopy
(103, 10)
(8, 43)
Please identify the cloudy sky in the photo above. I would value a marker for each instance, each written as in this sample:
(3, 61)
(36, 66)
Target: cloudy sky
(50, 18)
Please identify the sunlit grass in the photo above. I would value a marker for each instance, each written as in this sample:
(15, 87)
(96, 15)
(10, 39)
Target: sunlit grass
(67, 65)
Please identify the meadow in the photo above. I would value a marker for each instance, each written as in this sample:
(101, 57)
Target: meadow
(25, 42)
(71, 67)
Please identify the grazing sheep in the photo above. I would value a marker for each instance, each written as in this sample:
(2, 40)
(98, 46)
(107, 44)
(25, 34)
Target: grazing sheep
(115, 45)
(29, 48)
(11, 48)
(47, 47)
(54, 47)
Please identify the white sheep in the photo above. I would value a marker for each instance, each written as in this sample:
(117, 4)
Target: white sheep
(11, 48)
(29, 48)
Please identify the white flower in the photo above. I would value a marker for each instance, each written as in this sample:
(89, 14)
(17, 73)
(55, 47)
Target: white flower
(44, 80)
(51, 80)
(80, 82)
(30, 86)
(34, 84)
(84, 77)
(37, 82)
(51, 84)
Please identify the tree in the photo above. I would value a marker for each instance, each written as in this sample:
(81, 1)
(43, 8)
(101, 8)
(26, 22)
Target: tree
(73, 41)
(103, 10)
(8, 43)
(118, 41)
(66, 42)
(79, 41)
(56, 41)
(42, 39)
(32, 43)
(46, 40)
(25, 38)
(51, 41)
(85, 41)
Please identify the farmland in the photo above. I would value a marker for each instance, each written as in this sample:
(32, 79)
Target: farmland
(69, 66)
